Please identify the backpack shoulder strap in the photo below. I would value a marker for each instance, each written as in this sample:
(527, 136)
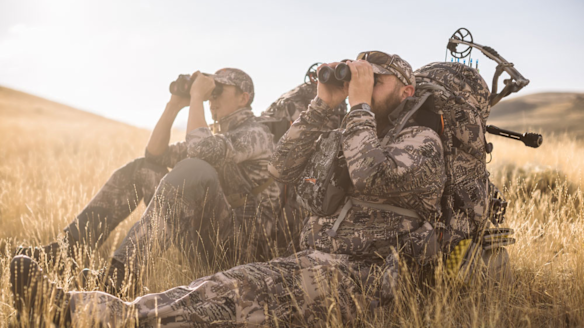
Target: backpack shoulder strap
(390, 136)
(382, 207)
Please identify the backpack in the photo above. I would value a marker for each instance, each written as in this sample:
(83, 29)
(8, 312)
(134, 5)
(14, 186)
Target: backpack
(453, 99)
(286, 109)
(282, 112)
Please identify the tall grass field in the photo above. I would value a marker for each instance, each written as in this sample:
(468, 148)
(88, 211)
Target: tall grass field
(53, 159)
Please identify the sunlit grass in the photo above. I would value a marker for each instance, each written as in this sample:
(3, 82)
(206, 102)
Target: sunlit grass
(50, 168)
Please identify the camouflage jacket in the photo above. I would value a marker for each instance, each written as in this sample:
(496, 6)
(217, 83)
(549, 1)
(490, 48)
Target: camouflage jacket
(239, 152)
(408, 173)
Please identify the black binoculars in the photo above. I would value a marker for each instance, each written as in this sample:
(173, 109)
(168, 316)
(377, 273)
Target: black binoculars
(335, 76)
(182, 87)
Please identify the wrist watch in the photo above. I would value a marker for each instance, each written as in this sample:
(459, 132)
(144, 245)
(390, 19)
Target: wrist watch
(361, 107)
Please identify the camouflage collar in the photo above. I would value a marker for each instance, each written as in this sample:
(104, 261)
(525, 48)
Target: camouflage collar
(234, 119)
(394, 117)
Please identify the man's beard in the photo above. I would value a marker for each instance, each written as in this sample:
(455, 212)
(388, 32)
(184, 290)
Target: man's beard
(388, 105)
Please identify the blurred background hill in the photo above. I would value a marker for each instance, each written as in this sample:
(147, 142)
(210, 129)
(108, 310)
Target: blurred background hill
(16, 106)
(547, 113)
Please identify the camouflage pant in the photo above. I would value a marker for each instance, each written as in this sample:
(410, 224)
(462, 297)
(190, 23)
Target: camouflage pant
(296, 290)
(115, 201)
(186, 208)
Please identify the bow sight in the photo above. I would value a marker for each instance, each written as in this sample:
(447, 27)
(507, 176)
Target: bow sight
(311, 76)
(514, 84)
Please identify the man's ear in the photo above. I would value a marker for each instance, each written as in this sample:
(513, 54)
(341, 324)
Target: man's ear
(244, 99)
(408, 91)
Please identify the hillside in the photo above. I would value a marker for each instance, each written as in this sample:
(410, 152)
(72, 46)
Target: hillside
(16, 105)
(47, 148)
(548, 113)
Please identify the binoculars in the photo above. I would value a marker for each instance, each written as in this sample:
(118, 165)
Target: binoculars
(335, 76)
(182, 87)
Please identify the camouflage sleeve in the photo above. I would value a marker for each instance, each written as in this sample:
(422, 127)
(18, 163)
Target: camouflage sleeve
(412, 163)
(173, 154)
(235, 146)
(297, 145)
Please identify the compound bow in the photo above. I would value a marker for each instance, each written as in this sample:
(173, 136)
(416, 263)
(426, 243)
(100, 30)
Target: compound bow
(514, 84)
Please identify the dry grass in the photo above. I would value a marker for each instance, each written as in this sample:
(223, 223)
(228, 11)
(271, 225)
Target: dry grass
(52, 161)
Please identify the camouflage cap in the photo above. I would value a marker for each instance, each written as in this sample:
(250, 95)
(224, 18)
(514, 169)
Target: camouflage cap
(389, 64)
(236, 77)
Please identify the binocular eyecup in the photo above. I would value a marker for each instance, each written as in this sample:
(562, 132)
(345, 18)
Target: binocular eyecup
(335, 76)
(182, 87)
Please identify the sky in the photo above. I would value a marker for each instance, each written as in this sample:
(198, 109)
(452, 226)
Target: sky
(117, 58)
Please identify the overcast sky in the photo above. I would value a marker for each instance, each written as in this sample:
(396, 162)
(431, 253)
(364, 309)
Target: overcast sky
(117, 58)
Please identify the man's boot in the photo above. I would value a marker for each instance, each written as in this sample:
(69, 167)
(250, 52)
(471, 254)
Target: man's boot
(51, 253)
(32, 290)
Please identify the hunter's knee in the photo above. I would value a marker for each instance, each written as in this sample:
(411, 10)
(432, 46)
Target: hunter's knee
(142, 174)
(139, 164)
(194, 175)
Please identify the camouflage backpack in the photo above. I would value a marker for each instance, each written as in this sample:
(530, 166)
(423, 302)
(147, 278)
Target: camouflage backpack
(282, 112)
(453, 99)
(286, 109)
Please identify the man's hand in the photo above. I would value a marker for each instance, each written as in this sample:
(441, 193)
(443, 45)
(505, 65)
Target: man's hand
(332, 95)
(361, 85)
(202, 87)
